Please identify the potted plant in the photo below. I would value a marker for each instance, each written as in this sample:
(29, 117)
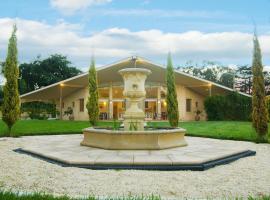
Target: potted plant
(198, 115)
(69, 112)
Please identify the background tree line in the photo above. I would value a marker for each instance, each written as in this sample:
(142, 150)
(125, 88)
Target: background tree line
(39, 73)
(239, 77)
(42, 72)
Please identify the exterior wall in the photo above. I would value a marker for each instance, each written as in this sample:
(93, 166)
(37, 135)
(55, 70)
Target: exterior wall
(75, 97)
(183, 93)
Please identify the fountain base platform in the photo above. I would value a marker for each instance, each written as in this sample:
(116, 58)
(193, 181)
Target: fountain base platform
(200, 154)
(134, 140)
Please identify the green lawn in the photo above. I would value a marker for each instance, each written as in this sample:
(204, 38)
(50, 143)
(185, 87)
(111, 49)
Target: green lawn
(13, 196)
(232, 130)
(37, 196)
(214, 129)
(46, 127)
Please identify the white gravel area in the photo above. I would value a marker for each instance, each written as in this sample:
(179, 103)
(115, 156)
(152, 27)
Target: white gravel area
(247, 176)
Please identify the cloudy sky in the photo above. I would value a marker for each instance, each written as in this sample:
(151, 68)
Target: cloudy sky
(114, 29)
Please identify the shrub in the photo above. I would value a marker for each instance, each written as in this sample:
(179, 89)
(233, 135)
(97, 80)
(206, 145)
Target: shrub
(214, 107)
(230, 107)
(39, 110)
(267, 99)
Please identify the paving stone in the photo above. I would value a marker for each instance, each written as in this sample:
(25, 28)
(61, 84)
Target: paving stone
(67, 148)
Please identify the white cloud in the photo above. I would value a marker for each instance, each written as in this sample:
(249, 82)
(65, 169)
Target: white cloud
(266, 68)
(71, 6)
(36, 38)
(158, 13)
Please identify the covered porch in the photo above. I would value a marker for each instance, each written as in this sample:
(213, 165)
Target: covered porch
(112, 103)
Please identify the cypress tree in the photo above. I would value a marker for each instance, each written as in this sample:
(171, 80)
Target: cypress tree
(11, 101)
(92, 104)
(172, 103)
(259, 109)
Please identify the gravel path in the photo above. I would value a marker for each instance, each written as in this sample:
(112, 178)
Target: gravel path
(247, 176)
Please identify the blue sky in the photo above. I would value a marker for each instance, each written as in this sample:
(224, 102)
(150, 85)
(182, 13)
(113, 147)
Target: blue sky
(184, 15)
(113, 29)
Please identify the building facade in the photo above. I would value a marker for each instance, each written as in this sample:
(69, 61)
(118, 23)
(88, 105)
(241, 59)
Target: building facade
(73, 93)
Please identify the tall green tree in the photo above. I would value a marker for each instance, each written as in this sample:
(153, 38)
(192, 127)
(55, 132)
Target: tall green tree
(92, 104)
(1, 96)
(172, 103)
(1, 86)
(259, 109)
(227, 79)
(244, 79)
(43, 72)
(11, 101)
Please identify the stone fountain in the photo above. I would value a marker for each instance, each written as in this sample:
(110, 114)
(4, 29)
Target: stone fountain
(133, 136)
(134, 92)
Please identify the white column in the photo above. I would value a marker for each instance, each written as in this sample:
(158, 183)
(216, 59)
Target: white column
(110, 102)
(61, 103)
(158, 103)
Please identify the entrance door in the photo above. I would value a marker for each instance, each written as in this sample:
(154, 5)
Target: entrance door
(115, 110)
(150, 109)
(118, 110)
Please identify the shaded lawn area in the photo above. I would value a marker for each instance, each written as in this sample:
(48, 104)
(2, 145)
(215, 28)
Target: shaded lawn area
(232, 130)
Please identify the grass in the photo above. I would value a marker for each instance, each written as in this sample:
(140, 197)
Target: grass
(232, 130)
(46, 127)
(39, 196)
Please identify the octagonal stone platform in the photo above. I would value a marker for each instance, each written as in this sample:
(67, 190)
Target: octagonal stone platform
(200, 154)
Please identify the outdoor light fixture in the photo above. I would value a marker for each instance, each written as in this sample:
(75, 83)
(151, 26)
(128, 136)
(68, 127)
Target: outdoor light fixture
(62, 84)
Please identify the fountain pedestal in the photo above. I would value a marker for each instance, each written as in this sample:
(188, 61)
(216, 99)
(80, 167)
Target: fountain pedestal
(134, 92)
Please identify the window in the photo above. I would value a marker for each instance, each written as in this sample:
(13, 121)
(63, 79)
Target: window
(73, 104)
(197, 104)
(146, 104)
(81, 105)
(188, 105)
(63, 105)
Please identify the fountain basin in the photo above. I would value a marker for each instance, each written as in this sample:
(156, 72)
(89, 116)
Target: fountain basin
(134, 140)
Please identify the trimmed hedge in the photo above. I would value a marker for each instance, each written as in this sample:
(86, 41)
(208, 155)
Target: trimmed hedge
(38, 109)
(230, 107)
